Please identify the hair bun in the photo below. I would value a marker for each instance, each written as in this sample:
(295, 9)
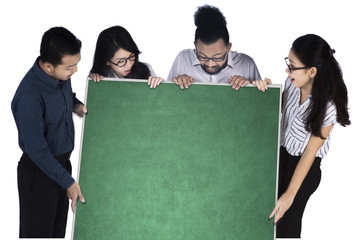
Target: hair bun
(209, 16)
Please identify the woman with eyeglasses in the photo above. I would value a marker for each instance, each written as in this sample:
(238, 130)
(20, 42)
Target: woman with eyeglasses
(314, 100)
(117, 56)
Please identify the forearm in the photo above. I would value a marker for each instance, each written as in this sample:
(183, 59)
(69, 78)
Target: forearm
(300, 173)
(76, 101)
(306, 161)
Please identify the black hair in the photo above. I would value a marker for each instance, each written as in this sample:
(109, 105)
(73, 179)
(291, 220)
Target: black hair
(211, 25)
(56, 43)
(111, 40)
(313, 51)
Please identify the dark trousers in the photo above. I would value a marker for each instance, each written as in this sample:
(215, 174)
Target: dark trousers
(289, 226)
(43, 203)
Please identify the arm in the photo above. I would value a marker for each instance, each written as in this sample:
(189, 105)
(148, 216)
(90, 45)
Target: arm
(301, 170)
(78, 107)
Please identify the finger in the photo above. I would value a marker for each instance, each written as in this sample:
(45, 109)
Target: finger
(181, 84)
(174, 80)
(255, 83)
(187, 82)
(277, 217)
(73, 205)
(274, 211)
(233, 81)
(84, 109)
(230, 80)
(268, 80)
(244, 82)
(239, 84)
(81, 197)
(153, 82)
(261, 86)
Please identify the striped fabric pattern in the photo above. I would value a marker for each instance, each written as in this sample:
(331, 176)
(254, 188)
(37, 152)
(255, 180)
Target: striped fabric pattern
(294, 136)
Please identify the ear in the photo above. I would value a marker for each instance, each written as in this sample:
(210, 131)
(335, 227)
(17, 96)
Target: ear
(313, 72)
(108, 63)
(229, 47)
(48, 67)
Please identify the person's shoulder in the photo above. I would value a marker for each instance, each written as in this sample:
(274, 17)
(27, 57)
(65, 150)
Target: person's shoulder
(186, 53)
(240, 56)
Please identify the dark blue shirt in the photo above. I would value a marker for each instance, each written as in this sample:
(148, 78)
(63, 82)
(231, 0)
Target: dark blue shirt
(42, 109)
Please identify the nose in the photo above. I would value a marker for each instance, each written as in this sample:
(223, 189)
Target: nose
(128, 64)
(287, 70)
(211, 63)
(75, 69)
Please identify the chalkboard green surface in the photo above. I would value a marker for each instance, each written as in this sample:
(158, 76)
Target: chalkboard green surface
(171, 164)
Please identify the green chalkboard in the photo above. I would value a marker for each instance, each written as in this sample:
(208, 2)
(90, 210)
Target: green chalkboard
(171, 164)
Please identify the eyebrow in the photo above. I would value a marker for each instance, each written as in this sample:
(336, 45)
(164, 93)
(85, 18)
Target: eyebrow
(71, 65)
(125, 57)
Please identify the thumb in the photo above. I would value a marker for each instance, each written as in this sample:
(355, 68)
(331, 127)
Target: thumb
(84, 109)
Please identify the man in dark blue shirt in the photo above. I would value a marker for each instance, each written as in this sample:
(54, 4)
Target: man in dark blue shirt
(42, 109)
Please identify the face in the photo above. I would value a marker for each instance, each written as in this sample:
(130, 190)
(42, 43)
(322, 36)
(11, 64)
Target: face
(301, 78)
(122, 62)
(218, 52)
(64, 70)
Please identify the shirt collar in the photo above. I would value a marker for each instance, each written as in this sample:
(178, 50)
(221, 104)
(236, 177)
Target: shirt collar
(43, 77)
(230, 61)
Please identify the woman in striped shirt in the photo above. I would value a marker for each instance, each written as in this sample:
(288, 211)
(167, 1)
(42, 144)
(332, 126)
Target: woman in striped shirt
(314, 100)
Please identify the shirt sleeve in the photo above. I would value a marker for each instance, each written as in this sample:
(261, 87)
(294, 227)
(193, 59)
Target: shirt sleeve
(256, 75)
(174, 71)
(331, 115)
(31, 123)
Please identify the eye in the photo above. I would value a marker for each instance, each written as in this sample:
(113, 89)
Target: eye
(122, 60)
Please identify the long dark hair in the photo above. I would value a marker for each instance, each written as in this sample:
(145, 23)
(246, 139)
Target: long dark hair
(211, 25)
(313, 51)
(111, 40)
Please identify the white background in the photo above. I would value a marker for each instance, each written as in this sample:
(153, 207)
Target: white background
(262, 29)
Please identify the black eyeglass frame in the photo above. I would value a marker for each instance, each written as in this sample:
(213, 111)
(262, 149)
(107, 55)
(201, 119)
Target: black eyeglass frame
(293, 69)
(131, 58)
(214, 59)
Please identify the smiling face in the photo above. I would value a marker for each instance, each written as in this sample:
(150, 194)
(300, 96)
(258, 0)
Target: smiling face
(64, 70)
(300, 78)
(212, 57)
(122, 62)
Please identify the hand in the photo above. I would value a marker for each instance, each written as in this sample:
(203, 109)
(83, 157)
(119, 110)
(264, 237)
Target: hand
(153, 82)
(262, 85)
(183, 81)
(80, 110)
(96, 77)
(282, 205)
(237, 81)
(73, 192)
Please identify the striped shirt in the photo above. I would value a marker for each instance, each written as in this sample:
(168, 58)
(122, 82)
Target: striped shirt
(294, 136)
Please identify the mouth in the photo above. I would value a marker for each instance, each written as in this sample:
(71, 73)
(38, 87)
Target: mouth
(292, 80)
(211, 69)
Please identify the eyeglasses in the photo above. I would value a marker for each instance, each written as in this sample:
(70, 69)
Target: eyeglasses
(122, 61)
(290, 68)
(214, 59)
